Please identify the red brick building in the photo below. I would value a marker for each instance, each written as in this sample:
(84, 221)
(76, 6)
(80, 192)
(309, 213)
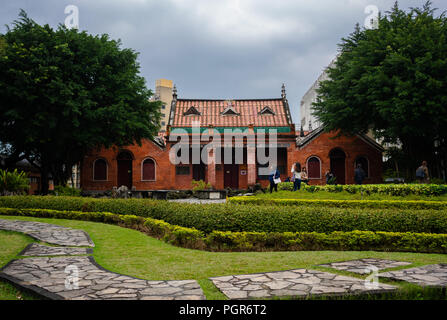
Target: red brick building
(221, 143)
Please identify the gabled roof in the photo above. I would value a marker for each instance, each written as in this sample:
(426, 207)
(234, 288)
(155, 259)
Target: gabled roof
(229, 111)
(267, 110)
(302, 142)
(191, 111)
(245, 113)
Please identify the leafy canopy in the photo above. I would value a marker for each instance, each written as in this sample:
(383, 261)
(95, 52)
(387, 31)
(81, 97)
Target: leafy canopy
(65, 92)
(392, 80)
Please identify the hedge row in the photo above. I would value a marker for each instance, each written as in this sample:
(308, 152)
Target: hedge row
(176, 235)
(237, 218)
(358, 204)
(388, 189)
(255, 241)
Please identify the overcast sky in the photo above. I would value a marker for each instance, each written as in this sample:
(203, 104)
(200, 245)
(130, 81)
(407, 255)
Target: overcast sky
(220, 48)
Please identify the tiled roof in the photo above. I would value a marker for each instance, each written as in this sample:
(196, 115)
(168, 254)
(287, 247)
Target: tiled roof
(248, 113)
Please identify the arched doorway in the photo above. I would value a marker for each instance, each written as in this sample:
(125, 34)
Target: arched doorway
(124, 162)
(338, 158)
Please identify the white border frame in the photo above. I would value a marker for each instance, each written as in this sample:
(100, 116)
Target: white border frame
(155, 169)
(307, 167)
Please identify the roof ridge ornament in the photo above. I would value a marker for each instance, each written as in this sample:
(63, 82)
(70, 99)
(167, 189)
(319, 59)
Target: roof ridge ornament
(283, 91)
(174, 93)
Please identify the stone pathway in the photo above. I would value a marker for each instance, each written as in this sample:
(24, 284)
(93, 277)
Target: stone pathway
(434, 275)
(74, 276)
(35, 249)
(363, 266)
(80, 278)
(49, 233)
(296, 283)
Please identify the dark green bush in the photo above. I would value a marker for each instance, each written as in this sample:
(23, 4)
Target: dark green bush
(254, 218)
(352, 204)
(66, 191)
(387, 189)
(254, 241)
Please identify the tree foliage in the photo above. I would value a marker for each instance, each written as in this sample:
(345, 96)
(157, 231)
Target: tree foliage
(65, 92)
(392, 80)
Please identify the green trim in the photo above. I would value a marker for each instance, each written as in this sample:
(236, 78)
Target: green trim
(222, 129)
(278, 129)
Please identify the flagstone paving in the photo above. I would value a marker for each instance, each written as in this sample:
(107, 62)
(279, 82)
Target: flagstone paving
(35, 249)
(49, 233)
(81, 278)
(296, 283)
(434, 275)
(363, 266)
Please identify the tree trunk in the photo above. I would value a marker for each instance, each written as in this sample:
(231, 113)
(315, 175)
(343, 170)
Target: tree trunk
(44, 186)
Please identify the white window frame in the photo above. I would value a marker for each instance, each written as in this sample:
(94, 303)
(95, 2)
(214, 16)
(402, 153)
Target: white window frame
(155, 169)
(307, 167)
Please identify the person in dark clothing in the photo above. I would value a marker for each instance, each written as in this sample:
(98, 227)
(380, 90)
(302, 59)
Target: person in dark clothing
(422, 173)
(359, 174)
(274, 175)
(329, 177)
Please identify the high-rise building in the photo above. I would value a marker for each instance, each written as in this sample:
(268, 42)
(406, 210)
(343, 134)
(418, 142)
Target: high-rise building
(163, 93)
(308, 121)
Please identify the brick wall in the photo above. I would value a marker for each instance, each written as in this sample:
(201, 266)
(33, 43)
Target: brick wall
(167, 179)
(353, 147)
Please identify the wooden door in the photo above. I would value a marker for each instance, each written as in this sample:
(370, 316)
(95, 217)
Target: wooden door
(124, 163)
(231, 176)
(338, 167)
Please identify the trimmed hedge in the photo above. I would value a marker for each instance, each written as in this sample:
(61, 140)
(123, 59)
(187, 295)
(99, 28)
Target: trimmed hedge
(254, 241)
(388, 189)
(176, 235)
(237, 218)
(363, 204)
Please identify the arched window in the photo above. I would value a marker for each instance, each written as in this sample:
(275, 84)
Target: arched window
(313, 168)
(363, 161)
(148, 170)
(100, 170)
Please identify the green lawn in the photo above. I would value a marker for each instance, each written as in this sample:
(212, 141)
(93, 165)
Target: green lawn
(321, 195)
(11, 244)
(133, 253)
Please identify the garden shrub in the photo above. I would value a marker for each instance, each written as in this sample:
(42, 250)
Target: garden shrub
(254, 241)
(387, 189)
(363, 204)
(66, 191)
(15, 182)
(254, 218)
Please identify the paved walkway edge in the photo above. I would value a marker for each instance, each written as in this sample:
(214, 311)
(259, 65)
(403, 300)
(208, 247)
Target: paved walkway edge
(27, 287)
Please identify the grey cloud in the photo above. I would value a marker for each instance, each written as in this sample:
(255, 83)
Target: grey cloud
(221, 49)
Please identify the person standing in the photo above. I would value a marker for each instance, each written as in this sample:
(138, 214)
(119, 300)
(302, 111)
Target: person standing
(274, 178)
(329, 177)
(359, 174)
(422, 173)
(296, 174)
(304, 177)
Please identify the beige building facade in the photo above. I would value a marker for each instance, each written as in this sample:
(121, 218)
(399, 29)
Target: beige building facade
(163, 93)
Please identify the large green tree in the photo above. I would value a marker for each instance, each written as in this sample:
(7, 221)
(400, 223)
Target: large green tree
(392, 80)
(64, 92)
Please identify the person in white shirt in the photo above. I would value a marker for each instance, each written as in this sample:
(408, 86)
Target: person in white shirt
(296, 176)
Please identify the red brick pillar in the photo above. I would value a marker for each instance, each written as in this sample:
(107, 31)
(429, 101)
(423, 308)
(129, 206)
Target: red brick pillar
(251, 156)
(211, 167)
